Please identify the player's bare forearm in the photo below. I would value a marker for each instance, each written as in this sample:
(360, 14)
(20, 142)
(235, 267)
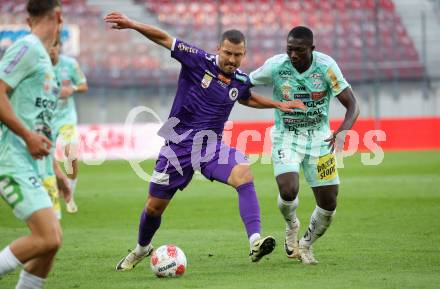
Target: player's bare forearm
(83, 87)
(258, 101)
(154, 34)
(348, 100)
(7, 114)
(120, 21)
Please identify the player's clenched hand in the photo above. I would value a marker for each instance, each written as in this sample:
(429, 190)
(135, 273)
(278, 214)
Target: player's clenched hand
(288, 106)
(38, 145)
(119, 20)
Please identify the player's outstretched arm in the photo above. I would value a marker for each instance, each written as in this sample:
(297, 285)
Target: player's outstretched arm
(348, 100)
(258, 101)
(120, 21)
(38, 145)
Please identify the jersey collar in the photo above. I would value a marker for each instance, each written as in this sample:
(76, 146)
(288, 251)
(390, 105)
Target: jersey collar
(308, 71)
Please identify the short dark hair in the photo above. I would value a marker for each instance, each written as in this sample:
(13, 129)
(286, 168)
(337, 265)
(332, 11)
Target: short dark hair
(234, 36)
(41, 7)
(301, 32)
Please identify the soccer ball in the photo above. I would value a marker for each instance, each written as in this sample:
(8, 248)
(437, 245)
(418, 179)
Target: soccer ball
(168, 261)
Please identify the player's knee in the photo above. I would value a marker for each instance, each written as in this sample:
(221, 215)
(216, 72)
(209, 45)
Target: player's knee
(154, 210)
(329, 202)
(288, 190)
(49, 243)
(240, 175)
(329, 205)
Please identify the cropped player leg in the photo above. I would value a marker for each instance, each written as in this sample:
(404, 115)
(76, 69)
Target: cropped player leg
(322, 215)
(288, 185)
(241, 179)
(37, 250)
(231, 167)
(319, 223)
(150, 220)
(71, 166)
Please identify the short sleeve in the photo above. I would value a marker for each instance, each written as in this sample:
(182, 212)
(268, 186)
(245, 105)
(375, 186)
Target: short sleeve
(187, 54)
(78, 76)
(246, 94)
(19, 61)
(262, 75)
(336, 80)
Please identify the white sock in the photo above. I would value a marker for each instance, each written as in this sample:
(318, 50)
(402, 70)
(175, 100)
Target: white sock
(29, 281)
(319, 222)
(254, 237)
(288, 210)
(8, 261)
(72, 185)
(141, 250)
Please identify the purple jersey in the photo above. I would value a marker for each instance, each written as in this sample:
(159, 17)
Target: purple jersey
(205, 95)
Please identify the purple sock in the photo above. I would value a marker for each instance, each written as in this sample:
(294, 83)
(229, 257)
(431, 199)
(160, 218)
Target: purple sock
(148, 225)
(249, 208)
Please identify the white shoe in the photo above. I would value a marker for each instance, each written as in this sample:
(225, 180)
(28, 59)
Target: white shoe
(71, 207)
(131, 260)
(291, 242)
(262, 247)
(306, 255)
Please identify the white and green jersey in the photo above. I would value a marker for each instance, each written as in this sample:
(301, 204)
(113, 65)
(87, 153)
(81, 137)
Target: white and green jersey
(68, 73)
(315, 87)
(26, 67)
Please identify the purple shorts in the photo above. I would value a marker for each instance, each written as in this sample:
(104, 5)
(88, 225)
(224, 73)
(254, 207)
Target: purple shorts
(176, 164)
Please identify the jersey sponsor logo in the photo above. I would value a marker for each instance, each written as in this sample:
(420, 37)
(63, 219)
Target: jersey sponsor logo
(316, 75)
(326, 168)
(45, 103)
(222, 84)
(301, 88)
(233, 93)
(285, 73)
(301, 96)
(296, 123)
(206, 80)
(16, 59)
(186, 48)
(318, 95)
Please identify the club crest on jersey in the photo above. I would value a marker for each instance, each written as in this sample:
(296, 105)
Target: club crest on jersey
(206, 81)
(233, 93)
(285, 90)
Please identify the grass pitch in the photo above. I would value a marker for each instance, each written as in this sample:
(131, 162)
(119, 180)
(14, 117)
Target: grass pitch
(386, 232)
